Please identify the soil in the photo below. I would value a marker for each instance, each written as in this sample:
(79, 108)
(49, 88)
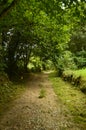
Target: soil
(29, 112)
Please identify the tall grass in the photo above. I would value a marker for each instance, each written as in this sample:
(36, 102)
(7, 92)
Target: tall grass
(81, 72)
(76, 73)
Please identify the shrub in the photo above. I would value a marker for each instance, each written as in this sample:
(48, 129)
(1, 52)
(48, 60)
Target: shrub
(76, 78)
(66, 61)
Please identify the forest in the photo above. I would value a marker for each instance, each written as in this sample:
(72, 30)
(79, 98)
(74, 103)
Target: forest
(43, 35)
(39, 34)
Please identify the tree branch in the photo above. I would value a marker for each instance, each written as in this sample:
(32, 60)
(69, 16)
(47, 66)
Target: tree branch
(6, 10)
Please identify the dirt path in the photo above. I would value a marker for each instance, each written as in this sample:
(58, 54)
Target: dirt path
(30, 112)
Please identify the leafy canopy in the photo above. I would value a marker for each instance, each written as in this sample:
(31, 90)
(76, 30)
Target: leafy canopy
(38, 28)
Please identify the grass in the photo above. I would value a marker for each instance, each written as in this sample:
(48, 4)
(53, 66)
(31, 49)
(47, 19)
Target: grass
(73, 98)
(76, 73)
(42, 93)
(81, 72)
(8, 92)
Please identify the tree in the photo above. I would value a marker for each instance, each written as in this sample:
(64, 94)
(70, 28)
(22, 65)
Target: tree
(39, 29)
(77, 45)
(6, 6)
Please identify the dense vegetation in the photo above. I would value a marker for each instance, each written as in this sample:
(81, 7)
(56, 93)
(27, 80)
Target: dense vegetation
(36, 33)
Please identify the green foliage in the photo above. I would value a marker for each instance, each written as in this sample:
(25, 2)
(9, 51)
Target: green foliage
(48, 65)
(38, 29)
(66, 61)
(35, 64)
(81, 72)
(77, 45)
(80, 59)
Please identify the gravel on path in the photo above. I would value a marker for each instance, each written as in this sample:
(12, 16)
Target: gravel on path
(30, 112)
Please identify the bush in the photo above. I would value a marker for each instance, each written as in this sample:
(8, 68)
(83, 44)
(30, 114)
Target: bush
(65, 62)
(80, 59)
(75, 79)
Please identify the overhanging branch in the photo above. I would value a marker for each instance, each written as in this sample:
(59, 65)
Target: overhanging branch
(6, 10)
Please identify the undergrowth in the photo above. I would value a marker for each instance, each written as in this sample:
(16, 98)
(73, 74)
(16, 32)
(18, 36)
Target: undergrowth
(8, 92)
(76, 73)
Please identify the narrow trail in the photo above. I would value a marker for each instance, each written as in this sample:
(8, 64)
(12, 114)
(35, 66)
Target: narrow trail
(30, 112)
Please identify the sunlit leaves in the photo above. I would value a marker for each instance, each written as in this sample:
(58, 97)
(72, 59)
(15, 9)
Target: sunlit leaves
(45, 25)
